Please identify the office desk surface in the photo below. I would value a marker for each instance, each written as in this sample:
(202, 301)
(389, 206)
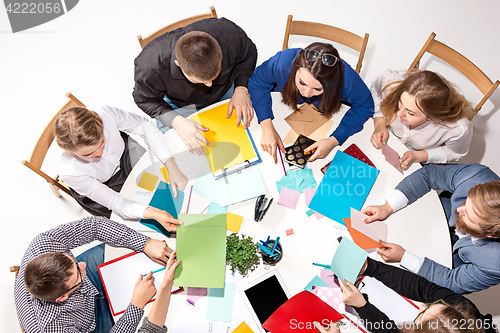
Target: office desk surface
(420, 228)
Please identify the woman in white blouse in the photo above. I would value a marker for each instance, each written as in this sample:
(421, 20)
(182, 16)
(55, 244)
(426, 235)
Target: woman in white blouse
(425, 112)
(98, 157)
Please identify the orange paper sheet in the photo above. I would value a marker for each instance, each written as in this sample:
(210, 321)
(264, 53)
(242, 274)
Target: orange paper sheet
(359, 238)
(229, 145)
(164, 172)
(243, 328)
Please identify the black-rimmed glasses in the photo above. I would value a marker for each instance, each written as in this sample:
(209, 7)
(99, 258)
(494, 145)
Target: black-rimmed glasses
(327, 58)
(69, 254)
(427, 308)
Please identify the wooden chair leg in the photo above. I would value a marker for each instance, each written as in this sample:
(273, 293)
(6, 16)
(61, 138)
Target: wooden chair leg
(55, 190)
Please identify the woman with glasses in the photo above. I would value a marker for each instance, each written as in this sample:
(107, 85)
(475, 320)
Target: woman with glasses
(443, 310)
(98, 157)
(314, 75)
(425, 112)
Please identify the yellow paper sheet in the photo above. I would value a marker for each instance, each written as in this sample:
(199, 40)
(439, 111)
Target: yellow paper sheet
(229, 145)
(243, 328)
(164, 172)
(148, 181)
(233, 222)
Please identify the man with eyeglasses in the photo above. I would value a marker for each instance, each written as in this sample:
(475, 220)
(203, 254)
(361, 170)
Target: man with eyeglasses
(473, 211)
(56, 292)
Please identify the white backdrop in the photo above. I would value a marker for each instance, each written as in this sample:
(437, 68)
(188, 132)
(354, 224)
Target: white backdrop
(90, 52)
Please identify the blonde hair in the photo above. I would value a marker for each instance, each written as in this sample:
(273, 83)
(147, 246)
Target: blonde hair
(485, 198)
(435, 96)
(78, 127)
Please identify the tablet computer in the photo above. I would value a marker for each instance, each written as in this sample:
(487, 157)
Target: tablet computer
(265, 295)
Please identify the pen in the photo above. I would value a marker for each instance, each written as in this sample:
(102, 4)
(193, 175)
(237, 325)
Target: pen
(267, 240)
(189, 200)
(158, 270)
(282, 163)
(275, 242)
(321, 265)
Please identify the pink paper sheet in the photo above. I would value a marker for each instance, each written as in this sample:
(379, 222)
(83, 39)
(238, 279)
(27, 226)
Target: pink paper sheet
(392, 156)
(289, 198)
(308, 195)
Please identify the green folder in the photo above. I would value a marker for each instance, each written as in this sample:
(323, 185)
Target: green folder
(201, 247)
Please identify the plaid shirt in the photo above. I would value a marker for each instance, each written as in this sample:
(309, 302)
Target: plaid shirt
(76, 314)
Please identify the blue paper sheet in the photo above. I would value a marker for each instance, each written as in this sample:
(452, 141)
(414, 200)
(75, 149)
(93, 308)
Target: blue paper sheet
(215, 208)
(298, 180)
(346, 184)
(348, 260)
(220, 303)
(163, 198)
(316, 282)
(232, 189)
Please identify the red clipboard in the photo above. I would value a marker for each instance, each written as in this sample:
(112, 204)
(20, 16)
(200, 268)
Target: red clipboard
(118, 277)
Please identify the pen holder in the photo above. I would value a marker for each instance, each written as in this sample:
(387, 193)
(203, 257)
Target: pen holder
(272, 260)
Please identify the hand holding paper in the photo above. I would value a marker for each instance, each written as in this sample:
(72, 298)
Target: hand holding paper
(352, 297)
(392, 156)
(163, 217)
(391, 252)
(377, 213)
(157, 250)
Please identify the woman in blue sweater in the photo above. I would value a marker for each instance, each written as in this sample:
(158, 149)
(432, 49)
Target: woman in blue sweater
(313, 75)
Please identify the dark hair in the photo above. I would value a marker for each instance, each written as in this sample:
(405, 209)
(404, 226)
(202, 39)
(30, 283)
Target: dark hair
(199, 55)
(45, 275)
(435, 96)
(331, 78)
(78, 127)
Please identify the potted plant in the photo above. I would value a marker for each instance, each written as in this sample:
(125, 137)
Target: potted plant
(241, 253)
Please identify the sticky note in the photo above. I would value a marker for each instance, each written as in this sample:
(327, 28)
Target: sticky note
(215, 208)
(243, 328)
(348, 260)
(289, 232)
(310, 212)
(148, 181)
(233, 222)
(288, 198)
(164, 172)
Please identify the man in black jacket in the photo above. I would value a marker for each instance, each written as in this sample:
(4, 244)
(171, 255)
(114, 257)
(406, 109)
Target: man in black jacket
(198, 65)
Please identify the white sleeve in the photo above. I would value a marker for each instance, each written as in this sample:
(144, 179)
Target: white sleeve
(397, 200)
(100, 193)
(378, 84)
(412, 262)
(455, 148)
(135, 124)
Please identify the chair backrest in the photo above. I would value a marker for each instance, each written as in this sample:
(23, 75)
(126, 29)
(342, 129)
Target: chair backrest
(461, 63)
(324, 31)
(43, 144)
(175, 25)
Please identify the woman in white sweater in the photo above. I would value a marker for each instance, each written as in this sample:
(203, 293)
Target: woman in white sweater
(98, 157)
(425, 112)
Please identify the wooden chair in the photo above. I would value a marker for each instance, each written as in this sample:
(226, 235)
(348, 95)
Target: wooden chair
(327, 32)
(42, 146)
(175, 25)
(461, 63)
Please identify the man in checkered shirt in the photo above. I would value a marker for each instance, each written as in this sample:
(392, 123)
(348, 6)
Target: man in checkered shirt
(56, 293)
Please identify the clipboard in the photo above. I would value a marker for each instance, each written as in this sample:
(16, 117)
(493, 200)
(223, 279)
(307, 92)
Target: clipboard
(119, 276)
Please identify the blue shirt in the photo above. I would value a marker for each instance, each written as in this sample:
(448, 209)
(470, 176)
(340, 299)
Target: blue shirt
(273, 74)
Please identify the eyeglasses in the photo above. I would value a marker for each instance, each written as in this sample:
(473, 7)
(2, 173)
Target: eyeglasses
(327, 58)
(69, 254)
(427, 308)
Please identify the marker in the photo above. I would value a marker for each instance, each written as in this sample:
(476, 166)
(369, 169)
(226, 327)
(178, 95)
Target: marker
(267, 240)
(190, 302)
(263, 248)
(282, 163)
(321, 265)
(158, 270)
(275, 242)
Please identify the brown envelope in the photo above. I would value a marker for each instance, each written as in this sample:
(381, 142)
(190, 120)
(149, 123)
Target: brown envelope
(306, 127)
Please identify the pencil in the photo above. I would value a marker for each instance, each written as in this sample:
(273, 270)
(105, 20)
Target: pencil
(189, 200)
(156, 271)
(282, 163)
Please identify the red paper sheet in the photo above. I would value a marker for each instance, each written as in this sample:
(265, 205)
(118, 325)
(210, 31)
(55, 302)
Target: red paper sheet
(360, 238)
(299, 313)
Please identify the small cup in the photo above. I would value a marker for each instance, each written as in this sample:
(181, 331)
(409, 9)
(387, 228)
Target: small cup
(268, 259)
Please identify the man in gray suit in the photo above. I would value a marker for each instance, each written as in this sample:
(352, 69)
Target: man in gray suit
(473, 212)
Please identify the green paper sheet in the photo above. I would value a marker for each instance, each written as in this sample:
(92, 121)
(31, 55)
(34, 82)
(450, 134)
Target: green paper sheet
(348, 260)
(201, 247)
